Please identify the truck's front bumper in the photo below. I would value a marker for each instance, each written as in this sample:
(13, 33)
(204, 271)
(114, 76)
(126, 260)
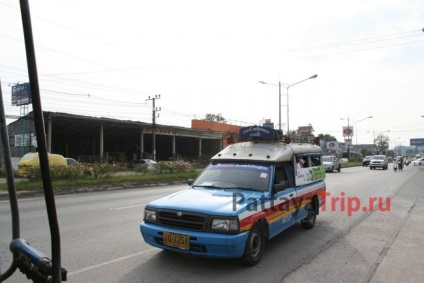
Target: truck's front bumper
(201, 243)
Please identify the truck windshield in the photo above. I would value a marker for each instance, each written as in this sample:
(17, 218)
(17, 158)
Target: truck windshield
(231, 175)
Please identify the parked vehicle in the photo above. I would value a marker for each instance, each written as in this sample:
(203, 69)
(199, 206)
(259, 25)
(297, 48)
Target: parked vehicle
(147, 162)
(379, 161)
(248, 194)
(331, 163)
(366, 160)
(71, 161)
(31, 160)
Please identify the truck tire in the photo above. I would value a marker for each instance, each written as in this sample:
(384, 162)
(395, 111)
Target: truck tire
(309, 221)
(255, 244)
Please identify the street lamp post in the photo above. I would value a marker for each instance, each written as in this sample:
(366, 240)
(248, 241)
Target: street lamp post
(373, 133)
(394, 145)
(279, 100)
(288, 116)
(279, 107)
(369, 117)
(349, 132)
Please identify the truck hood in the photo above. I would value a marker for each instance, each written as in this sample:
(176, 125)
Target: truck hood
(206, 200)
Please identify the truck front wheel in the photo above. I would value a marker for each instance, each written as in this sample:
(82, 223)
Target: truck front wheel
(255, 244)
(309, 221)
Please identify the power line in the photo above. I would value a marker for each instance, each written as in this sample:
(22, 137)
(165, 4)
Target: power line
(62, 26)
(364, 40)
(361, 50)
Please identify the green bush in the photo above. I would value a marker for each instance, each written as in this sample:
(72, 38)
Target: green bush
(141, 168)
(196, 166)
(103, 170)
(106, 170)
(172, 166)
(34, 174)
(82, 170)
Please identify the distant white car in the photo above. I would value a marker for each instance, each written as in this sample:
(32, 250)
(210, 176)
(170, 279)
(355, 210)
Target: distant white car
(331, 163)
(149, 162)
(418, 162)
(71, 161)
(379, 161)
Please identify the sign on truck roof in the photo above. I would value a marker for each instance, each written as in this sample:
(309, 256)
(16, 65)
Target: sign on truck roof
(264, 145)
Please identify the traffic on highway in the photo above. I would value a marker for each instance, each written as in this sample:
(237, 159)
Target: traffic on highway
(101, 242)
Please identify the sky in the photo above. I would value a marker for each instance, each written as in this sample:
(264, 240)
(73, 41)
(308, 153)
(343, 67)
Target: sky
(106, 58)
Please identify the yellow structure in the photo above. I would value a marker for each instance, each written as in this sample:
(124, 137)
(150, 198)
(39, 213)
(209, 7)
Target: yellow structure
(31, 160)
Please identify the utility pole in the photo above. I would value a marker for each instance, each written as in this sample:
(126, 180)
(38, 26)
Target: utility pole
(348, 139)
(347, 131)
(153, 99)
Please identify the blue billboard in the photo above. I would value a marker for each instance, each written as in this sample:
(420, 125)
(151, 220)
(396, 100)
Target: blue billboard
(417, 142)
(21, 94)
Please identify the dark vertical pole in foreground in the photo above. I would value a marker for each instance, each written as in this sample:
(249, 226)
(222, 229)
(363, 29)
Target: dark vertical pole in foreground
(10, 183)
(41, 139)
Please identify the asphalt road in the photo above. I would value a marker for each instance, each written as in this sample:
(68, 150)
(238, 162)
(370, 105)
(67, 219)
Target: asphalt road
(101, 241)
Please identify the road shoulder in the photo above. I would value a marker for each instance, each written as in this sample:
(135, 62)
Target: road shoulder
(383, 247)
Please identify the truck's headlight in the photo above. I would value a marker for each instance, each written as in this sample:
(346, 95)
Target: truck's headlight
(227, 225)
(149, 215)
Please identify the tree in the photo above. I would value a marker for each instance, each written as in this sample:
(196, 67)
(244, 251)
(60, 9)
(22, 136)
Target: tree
(312, 128)
(327, 137)
(215, 118)
(381, 143)
(364, 152)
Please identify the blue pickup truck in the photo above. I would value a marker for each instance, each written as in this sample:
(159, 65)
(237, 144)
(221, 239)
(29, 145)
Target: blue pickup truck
(249, 193)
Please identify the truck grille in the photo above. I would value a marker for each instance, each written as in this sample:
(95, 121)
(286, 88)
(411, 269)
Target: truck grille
(183, 220)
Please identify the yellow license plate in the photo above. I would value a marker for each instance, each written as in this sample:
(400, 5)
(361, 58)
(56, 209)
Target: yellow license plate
(176, 240)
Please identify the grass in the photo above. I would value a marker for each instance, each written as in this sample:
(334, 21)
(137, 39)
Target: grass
(351, 164)
(122, 180)
(119, 180)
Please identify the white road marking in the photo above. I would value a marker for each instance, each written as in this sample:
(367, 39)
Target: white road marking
(110, 261)
(126, 207)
